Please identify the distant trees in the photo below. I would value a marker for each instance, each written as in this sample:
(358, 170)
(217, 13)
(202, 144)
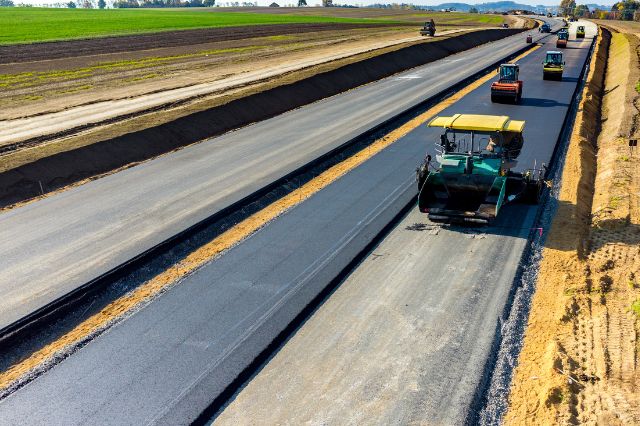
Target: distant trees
(473, 10)
(71, 5)
(6, 3)
(625, 5)
(302, 3)
(625, 9)
(102, 4)
(126, 4)
(566, 7)
(581, 10)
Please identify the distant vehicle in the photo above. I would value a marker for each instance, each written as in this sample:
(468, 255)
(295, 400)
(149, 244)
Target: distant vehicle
(529, 38)
(544, 28)
(474, 178)
(580, 32)
(563, 36)
(505, 25)
(429, 29)
(553, 66)
(549, 15)
(508, 87)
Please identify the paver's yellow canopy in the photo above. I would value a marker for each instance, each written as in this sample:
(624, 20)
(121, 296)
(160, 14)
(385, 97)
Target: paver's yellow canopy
(479, 123)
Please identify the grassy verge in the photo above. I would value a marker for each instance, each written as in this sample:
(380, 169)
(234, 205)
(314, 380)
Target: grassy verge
(27, 25)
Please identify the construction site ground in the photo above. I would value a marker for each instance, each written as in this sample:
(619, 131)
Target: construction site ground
(579, 362)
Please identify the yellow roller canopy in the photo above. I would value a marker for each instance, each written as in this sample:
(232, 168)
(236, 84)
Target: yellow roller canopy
(479, 123)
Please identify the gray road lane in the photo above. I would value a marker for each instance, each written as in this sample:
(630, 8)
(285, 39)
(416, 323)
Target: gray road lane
(168, 361)
(402, 341)
(55, 245)
(406, 337)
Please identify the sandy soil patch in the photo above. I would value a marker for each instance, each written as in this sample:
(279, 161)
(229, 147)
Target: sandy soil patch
(579, 360)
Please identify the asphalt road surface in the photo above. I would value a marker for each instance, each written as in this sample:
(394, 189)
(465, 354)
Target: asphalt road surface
(406, 337)
(168, 361)
(404, 340)
(55, 245)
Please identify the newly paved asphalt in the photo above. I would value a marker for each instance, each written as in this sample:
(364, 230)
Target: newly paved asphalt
(406, 337)
(53, 246)
(404, 340)
(169, 360)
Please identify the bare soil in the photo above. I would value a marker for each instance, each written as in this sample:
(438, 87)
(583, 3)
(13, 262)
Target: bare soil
(579, 363)
(96, 46)
(34, 88)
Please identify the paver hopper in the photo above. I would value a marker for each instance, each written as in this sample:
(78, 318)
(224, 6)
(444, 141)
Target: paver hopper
(473, 179)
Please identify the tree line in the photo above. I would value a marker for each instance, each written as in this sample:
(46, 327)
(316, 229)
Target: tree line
(624, 10)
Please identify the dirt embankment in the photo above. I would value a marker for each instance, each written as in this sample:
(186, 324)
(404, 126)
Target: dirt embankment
(579, 359)
(64, 168)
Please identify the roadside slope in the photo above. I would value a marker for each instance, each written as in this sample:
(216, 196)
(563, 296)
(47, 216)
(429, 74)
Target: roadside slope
(579, 360)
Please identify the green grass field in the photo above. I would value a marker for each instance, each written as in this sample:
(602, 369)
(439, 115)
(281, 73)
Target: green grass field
(26, 25)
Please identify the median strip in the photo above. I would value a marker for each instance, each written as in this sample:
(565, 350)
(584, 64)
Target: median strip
(45, 357)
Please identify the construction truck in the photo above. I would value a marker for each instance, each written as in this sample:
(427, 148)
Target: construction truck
(508, 87)
(580, 31)
(563, 37)
(473, 177)
(553, 66)
(429, 29)
(544, 28)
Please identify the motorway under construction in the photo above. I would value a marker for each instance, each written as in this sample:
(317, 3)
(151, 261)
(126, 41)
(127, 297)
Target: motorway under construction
(408, 335)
